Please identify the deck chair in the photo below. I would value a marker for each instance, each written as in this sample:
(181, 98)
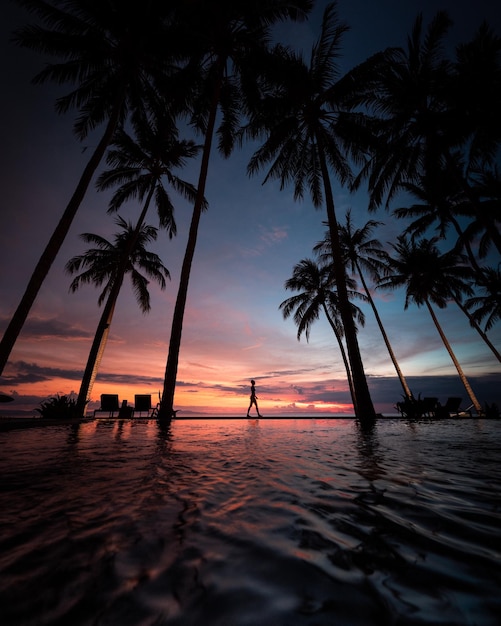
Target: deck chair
(142, 403)
(429, 406)
(451, 407)
(109, 404)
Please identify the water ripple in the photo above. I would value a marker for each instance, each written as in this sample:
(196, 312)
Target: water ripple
(236, 523)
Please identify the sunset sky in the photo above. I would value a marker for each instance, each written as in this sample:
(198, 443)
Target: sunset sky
(250, 239)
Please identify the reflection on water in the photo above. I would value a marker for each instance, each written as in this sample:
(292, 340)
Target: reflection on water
(245, 522)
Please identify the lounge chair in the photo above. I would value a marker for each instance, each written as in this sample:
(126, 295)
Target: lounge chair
(429, 407)
(142, 404)
(109, 404)
(451, 407)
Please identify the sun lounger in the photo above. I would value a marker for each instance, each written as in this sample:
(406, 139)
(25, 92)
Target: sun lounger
(451, 407)
(142, 404)
(109, 404)
(429, 407)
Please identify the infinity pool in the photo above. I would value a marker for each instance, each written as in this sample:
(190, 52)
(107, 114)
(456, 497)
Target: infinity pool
(251, 523)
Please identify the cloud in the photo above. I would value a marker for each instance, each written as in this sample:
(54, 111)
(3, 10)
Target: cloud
(20, 373)
(271, 236)
(40, 329)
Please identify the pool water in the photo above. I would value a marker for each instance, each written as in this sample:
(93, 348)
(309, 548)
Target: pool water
(251, 523)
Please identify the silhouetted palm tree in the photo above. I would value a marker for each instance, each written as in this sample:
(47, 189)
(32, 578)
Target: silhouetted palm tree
(429, 277)
(425, 120)
(487, 307)
(308, 132)
(111, 51)
(444, 208)
(107, 264)
(365, 254)
(317, 292)
(441, 204)
(227, 42)
(143, 166)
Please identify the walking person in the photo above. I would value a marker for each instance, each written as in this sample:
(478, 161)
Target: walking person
(253, 399)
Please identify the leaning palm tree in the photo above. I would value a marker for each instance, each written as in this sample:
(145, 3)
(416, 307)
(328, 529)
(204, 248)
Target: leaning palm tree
(429, 277)
(107, 264)
(365, 254)
(316, 288)
(308, 132)
(227, 42)
(111, 52)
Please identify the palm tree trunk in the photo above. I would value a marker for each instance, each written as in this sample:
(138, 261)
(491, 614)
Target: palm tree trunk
(478, 329)
(343, 353)
(97, 348)
(55, 242)
(364, 409)
(401, 377)
(166, 408)
(101, 336)
(464, 380)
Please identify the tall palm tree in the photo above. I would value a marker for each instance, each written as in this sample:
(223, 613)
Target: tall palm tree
(442, 205)
(316, 287)
(429, 277)
(365, 254)
(227, 42)
(110, 51)
(107, 264)
(307, 133)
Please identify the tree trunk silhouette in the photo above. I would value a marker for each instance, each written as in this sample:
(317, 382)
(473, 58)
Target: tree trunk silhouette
(464, 380)
(343, 353)
(401, 377)
(55, 242)
(364, 409)
(166, 408)
(479, 330)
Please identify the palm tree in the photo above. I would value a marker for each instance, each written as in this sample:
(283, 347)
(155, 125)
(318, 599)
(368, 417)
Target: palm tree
(487, 306)
(425, 120)
(429, 277)
(441, 204)
(309, 132)
(107, 264)
(142, 164)
(363, 253)
(227, 41)
(316, 288)
(110, 51)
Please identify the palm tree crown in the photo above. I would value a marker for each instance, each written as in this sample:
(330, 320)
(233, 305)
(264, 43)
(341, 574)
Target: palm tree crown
(101, 264)
(426, 273)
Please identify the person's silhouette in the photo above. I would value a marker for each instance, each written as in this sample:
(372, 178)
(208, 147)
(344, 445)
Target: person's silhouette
(253, 399)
